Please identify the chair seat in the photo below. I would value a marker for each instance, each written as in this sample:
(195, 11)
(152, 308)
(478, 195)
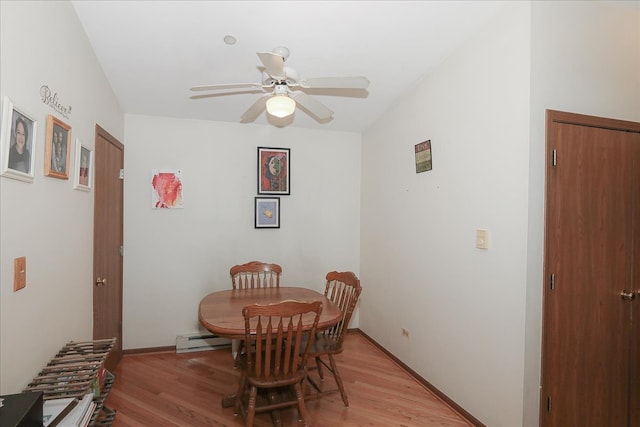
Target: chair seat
(323, 344)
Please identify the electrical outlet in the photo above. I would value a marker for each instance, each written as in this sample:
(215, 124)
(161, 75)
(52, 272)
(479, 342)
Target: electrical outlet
(405, 333)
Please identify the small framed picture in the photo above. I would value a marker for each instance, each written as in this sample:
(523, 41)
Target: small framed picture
(84, 167)
(57, 148)
(267, 212)
(423, 156)
(17, 142)
(273, 170)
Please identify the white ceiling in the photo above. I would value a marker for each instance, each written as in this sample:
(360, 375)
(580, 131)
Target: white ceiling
(153, 52)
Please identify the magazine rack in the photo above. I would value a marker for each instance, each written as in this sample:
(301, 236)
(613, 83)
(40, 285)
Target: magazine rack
(78, 369)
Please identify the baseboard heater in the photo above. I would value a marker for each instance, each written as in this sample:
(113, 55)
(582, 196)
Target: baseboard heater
(200, 341)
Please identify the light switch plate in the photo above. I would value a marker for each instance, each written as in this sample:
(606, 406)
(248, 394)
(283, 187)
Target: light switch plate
(482, 239)
(19, 273)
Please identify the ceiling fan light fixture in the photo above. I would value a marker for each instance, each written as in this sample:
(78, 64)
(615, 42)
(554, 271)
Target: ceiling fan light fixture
(281, 106)
(282, 101)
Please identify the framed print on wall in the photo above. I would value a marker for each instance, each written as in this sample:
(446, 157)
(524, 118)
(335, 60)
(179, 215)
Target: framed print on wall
(57, 148)
(423, 156)
(17, 142)
(84, 167)
(274, 170)
(267, 212)
(166, 189)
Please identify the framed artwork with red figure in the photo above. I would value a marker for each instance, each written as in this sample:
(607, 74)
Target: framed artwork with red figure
(274, 170)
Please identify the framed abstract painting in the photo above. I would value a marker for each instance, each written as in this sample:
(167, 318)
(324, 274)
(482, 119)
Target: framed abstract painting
(166, 189)
(274, 170)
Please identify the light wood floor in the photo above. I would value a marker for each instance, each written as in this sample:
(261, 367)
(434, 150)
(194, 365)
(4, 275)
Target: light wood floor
(168, 389)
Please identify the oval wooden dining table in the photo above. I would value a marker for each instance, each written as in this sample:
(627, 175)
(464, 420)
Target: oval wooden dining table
(221, 312)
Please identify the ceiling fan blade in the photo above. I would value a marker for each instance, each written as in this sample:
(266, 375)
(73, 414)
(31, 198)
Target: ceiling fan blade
(274, 64)
(311, 105)
(256, 109)
(356, 82)
(226, 86)
(219, 94)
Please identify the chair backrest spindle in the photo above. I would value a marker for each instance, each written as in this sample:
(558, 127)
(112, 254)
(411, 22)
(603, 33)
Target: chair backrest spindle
(255, 274)
(279, 332)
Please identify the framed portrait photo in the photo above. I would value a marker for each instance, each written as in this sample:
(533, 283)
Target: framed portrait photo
(274, 170)
(267, 212)
(83, 170)
(17, 142)
(57, 149)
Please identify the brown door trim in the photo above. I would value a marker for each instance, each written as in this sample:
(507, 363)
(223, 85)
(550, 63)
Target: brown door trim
(107, 243)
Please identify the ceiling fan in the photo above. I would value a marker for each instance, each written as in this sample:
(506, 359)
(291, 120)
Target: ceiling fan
(284, 89)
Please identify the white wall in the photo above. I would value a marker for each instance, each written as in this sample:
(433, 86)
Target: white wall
(43, 43)
(174, 257)
(585, 58)
(475, 316)
(464, 306)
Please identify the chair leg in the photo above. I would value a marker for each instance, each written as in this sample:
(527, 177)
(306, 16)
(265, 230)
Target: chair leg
(313, 383)
(319, 367)
(302, 409)
(240, 393)
(273, 396)
(251, 412)
(336, 374)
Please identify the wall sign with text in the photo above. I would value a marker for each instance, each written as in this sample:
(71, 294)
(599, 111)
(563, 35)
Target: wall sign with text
(423, 156)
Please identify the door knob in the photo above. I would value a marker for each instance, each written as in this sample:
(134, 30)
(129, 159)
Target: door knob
(100, 282)
(627, 295)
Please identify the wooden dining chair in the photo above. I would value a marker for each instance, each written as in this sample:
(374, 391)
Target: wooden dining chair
(255, 274)
(280, 335)
(343, 288)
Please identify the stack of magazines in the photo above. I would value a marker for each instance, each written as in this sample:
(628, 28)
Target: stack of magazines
(68, 412)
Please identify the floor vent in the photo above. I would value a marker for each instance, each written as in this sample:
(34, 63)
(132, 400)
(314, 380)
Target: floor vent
(200, 342)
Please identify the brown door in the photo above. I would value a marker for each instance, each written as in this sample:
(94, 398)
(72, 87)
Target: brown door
(107, 243)
(592, 252)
